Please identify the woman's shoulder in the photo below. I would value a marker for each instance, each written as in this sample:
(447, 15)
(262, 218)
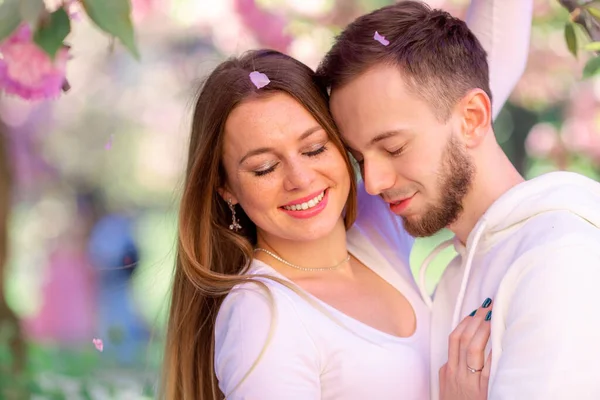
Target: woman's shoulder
(259, 301)
(258, 329)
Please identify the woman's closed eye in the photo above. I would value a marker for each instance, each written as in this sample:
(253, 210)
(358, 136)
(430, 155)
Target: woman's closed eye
(267, 169)
(313, 153)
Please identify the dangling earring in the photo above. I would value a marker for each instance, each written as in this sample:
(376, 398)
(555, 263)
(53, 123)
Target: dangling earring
(235, 225)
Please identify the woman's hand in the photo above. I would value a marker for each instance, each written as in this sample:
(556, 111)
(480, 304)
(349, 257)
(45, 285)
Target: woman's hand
(466, 374)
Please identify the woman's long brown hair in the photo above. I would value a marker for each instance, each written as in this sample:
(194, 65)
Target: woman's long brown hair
(211, 259)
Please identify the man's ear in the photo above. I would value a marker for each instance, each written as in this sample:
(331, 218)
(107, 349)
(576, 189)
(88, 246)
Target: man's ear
(476, 117)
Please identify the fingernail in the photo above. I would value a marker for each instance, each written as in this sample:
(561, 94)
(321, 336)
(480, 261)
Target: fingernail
(486, 303)
(473, 313)
(488, 316)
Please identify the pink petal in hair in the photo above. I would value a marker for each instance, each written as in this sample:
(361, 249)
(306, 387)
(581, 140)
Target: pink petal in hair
(259, 79)
(381, 39)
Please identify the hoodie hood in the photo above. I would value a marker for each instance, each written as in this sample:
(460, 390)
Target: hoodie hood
(550, 192)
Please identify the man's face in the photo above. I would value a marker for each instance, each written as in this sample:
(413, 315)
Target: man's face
(416, 163)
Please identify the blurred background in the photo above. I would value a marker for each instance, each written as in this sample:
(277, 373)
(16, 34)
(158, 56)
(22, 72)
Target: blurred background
(93, 178)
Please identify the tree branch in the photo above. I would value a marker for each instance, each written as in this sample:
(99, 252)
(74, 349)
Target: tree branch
(581, 16)
(7, 316)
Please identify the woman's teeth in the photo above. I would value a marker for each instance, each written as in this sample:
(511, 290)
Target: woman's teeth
(305, 206)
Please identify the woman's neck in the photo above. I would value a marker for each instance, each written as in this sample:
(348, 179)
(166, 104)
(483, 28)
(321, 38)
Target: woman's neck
(324, 252)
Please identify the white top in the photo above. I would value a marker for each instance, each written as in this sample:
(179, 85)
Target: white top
(312, 355)
(536, 252)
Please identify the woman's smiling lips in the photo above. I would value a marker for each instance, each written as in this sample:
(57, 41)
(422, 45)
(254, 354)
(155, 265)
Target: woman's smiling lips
(307, 207)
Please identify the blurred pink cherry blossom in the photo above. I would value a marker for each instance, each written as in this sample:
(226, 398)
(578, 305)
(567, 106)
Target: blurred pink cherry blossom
(542, 140)
(581, 128)
(98, 343)
(27, 71)
(66, 314)
(53, 5)
(140, 9)
(267, 27)
(582, 136)
(74, 9)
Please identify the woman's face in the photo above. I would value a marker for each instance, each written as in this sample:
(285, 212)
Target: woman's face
(281, 168)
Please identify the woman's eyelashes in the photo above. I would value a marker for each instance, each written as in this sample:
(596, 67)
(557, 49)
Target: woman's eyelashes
(312, 153)
(316, 152)
(266, 171)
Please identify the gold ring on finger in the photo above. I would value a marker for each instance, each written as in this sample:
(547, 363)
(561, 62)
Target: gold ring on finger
(473, 370)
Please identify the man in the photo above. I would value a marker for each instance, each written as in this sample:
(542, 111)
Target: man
(414, 108)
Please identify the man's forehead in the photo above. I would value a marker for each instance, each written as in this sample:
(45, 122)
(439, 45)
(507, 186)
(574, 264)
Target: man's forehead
(368, 112)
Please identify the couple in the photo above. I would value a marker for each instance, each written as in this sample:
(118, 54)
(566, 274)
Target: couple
(292, 279)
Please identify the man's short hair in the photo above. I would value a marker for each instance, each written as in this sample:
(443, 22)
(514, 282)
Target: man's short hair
(439, 57)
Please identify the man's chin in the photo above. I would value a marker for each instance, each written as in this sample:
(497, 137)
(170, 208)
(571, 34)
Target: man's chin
(416, 228)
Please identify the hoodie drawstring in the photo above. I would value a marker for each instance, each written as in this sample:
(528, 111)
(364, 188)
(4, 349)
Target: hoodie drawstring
(465, 279)
(422, 278)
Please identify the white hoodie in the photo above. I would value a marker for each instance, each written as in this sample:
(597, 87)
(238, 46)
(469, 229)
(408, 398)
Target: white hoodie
(536, 253)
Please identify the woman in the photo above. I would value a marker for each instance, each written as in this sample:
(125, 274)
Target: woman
(272, 295)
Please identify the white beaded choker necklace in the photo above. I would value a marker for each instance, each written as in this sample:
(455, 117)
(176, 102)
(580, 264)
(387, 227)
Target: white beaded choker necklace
(275, 256)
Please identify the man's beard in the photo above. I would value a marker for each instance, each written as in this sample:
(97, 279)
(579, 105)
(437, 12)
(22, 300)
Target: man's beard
(456, 173)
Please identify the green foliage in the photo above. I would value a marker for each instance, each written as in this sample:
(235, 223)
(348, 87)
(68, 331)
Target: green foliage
(593, 46)
(594, 11)
(50, 30)
(10, 17)
(571, 38)
(51, 34)
(592, 67)
(113, 17)
(31, 11)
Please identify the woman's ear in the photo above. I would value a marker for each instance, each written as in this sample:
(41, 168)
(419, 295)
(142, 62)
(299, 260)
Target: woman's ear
(226, 195)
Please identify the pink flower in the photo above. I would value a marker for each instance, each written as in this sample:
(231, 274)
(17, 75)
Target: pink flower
(542, 140)
(74, 9)
(141, 9)
(27, 71)
(267, 27)
(579, 135)
(53, 5)
(98, 343)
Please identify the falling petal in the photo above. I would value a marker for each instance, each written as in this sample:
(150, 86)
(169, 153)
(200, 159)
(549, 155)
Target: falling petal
(381, 39)
(259, 79)
(99, 345)
(108, 144)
